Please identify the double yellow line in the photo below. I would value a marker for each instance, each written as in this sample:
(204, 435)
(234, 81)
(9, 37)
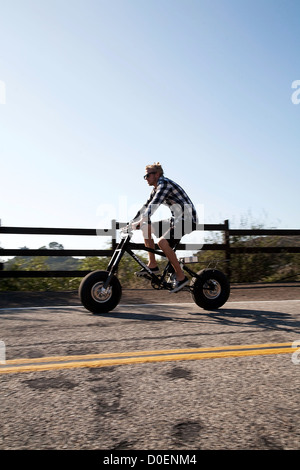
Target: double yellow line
(138, 357)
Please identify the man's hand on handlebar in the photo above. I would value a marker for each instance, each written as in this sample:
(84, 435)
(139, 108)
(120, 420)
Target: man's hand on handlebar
(137, 225)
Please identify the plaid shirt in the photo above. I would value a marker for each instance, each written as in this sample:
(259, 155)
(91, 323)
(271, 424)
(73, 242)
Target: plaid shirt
(172, 195)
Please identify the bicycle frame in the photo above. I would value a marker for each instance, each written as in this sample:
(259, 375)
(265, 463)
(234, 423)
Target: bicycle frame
(100, 291)
(125, 246)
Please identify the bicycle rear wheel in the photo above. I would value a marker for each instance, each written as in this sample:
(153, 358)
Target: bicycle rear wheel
(210, 289)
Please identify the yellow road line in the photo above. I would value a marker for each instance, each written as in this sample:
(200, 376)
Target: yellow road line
(138, 357)
(143, 353)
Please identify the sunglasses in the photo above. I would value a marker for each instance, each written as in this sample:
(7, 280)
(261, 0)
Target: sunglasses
(148, 174)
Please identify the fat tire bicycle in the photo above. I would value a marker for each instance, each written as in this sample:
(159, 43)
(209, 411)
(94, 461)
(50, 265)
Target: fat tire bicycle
(101, 291)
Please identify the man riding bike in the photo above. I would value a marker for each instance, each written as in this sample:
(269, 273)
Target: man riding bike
(183, 220)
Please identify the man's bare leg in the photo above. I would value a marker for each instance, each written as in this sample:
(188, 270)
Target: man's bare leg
(149, 243)
(170, 254)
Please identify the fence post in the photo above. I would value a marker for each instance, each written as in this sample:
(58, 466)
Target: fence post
(227, 248)
(113, 234)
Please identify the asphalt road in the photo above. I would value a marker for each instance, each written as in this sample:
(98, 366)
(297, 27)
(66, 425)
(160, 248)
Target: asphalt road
(235, 401)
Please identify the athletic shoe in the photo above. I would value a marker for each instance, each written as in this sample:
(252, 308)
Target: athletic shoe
(180, 284)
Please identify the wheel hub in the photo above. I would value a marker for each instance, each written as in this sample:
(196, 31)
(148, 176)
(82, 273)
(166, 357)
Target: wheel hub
(100, 294)
(212, 289)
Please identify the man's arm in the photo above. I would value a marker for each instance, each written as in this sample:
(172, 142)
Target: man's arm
(139, 216)
(159, 197)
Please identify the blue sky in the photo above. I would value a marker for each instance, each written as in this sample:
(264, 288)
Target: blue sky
(95, 90)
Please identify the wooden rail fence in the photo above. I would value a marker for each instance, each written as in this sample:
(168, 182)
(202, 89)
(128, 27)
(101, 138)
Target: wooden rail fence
(225, 246)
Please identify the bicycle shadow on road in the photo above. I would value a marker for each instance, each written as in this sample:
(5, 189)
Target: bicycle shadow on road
(266, 319)
(135, 316)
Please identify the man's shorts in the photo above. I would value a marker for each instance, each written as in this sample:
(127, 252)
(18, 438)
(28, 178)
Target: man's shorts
(172, 230)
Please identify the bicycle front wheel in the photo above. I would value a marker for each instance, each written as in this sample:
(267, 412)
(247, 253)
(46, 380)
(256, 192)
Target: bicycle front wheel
(94, 297)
